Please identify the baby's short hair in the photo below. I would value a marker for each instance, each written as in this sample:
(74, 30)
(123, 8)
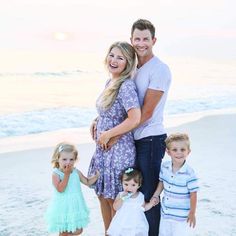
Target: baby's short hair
(176, 137)
(131, 173)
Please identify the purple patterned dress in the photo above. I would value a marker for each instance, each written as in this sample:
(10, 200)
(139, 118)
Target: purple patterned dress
(121, 155)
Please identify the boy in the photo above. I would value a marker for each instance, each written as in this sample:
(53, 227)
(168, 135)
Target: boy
(180, 186)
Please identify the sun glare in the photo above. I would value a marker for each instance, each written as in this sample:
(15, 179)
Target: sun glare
(61, 36)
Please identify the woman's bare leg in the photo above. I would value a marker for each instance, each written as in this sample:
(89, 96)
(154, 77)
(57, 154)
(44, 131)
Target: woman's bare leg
(77, 232)
(107, 211)
(113, 212)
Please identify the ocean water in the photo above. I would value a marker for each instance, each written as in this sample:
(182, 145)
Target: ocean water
(44, 120)
(49, 101)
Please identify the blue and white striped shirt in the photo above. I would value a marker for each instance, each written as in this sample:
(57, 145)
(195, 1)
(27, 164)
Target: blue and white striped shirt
(177, 188)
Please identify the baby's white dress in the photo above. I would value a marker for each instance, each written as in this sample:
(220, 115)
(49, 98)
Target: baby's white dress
(130, 219)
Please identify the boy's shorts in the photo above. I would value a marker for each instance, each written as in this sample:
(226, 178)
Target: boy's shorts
(170, 227)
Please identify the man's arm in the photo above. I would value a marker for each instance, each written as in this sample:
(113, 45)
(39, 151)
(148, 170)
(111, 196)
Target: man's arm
(151, 99)
(93, 128)
(127, 125)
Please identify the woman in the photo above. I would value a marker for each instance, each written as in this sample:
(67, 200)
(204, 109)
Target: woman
(119, 113)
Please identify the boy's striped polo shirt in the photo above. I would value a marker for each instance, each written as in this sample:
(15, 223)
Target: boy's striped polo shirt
(177, 188)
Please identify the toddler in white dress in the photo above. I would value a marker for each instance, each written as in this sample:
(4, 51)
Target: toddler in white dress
(130, 206)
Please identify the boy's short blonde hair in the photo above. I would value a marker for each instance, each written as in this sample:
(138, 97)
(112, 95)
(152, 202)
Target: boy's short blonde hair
(176, 138)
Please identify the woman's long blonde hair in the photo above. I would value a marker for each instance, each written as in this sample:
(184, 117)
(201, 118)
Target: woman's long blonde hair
(108, 96)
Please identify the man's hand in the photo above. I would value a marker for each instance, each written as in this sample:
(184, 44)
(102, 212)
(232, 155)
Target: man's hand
(112, 141)
(93, 129)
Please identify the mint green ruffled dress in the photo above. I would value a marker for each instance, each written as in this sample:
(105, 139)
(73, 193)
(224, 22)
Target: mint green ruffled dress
(67, 210)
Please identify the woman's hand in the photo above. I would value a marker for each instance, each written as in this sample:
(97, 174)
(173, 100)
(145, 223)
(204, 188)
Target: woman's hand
(104, 139)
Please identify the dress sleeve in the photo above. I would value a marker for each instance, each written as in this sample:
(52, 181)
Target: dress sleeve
(128, 95)
(59, 173)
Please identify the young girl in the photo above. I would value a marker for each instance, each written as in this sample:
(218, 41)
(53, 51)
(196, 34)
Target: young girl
(130, 206)
(67, 213)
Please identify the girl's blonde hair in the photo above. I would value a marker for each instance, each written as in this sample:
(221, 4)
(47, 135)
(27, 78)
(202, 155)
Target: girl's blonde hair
(108, 96)
(63, 147)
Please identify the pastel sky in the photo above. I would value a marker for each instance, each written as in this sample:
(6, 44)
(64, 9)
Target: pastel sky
(203, 28)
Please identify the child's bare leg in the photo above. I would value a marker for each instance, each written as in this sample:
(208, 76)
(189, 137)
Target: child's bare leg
(77, 232)
(63, 234)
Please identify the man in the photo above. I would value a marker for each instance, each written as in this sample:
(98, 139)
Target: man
(152, 80)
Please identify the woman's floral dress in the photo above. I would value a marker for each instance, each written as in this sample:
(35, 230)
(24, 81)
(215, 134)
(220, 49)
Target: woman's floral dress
(121, 155)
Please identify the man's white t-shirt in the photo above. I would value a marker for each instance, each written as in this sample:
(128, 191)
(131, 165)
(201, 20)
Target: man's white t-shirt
(156, 75)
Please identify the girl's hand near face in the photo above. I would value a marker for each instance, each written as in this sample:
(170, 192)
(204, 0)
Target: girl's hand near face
(59, 184)
(126, 195)
(67, 169)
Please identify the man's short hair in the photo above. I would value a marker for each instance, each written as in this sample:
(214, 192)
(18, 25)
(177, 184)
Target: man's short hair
(142, 24)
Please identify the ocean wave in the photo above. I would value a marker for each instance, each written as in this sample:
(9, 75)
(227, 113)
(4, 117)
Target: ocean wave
(45, 120)
(46, 74)
(193, 105)
(75, 117)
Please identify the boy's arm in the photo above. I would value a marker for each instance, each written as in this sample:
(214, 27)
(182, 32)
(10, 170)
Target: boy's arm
(193, 204)
(148, 205)
(88, 181)
(158, 191)
(155, 197)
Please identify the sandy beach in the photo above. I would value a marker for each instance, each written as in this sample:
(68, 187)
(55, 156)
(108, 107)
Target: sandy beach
(26, 173)
(52, 71)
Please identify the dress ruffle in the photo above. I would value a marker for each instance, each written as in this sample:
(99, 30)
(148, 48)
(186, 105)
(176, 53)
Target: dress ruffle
(67, 211)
